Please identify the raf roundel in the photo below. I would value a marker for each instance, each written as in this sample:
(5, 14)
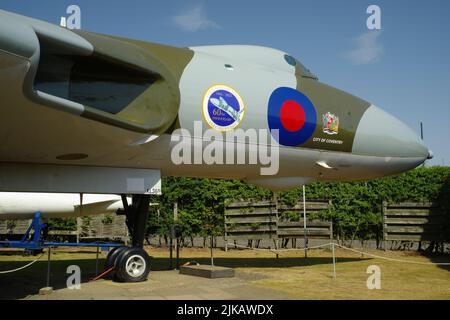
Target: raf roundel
(293, 115)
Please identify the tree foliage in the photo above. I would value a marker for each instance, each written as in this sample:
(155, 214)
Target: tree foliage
(355, 209)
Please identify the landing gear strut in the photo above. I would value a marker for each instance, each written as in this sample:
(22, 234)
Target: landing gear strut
(132, 264)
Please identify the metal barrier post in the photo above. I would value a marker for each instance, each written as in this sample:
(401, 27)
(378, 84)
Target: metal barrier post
(48, 266)
(171, 252)
(96, 262)
(178, 253)
(304, 223)
(334, 262)
(212, 255)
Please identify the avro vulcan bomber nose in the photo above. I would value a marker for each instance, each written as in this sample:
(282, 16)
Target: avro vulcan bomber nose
(380, 134)
(377, 143)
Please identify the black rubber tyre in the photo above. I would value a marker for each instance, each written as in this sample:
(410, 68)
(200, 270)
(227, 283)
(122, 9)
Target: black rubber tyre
(112, 257)
(132, 265)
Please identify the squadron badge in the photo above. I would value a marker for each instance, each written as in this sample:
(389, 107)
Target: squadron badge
(223, 108)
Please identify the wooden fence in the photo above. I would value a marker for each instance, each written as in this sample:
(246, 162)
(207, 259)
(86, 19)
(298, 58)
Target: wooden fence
(262, 220)
(102, 227)
(92, 228)
(315, 229)
(414, 222)
(246, 220)
(13, 227)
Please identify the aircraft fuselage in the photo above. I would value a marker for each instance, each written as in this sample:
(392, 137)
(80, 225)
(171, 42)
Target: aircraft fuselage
(88, 100)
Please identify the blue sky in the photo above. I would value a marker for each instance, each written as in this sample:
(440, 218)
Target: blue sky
(404, 68)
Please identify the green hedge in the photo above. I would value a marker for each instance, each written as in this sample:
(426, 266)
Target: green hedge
(355, 210)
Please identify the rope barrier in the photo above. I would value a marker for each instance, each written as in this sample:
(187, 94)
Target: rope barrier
(276, 251)
(23, 267)
(344, 248)
(392, 259)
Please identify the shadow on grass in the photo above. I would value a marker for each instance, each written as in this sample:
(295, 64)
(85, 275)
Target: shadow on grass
(20, 284)
(439, 225)
(440, 259)
(282, 262)
(27, 282)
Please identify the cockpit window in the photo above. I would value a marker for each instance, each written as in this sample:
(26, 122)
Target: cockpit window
(300, 68)
(305, 72)
(290, 60)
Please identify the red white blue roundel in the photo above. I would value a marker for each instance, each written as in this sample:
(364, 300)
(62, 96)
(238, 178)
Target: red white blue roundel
(293, 115)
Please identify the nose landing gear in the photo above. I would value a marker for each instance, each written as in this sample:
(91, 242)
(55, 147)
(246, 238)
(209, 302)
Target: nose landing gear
(132, 264)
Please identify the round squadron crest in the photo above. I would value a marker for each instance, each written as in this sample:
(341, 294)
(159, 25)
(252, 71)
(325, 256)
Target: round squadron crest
(223, 108)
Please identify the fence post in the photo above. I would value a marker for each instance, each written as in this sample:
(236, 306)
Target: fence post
(274, 202)
(175, 219)
(331, 221)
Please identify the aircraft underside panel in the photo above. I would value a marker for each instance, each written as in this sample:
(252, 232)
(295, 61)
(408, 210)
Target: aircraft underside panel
(78, 179)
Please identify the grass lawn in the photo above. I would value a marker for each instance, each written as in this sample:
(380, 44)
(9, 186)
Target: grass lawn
(291, 273)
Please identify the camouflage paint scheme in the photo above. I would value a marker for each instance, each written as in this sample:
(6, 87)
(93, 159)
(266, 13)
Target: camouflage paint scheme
(38, 128)
(163, 96)
(348, 108)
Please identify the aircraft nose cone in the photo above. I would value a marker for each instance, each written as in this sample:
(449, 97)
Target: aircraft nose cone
(381, 134)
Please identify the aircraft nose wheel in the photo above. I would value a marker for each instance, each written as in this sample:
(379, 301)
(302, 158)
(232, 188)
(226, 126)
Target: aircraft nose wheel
(131, 264)
(135, 266)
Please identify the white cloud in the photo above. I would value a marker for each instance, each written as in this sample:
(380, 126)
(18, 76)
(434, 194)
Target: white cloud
(368, 48)
(194, 20)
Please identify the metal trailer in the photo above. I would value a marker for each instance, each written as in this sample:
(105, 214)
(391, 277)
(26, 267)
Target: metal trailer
(33, 241)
